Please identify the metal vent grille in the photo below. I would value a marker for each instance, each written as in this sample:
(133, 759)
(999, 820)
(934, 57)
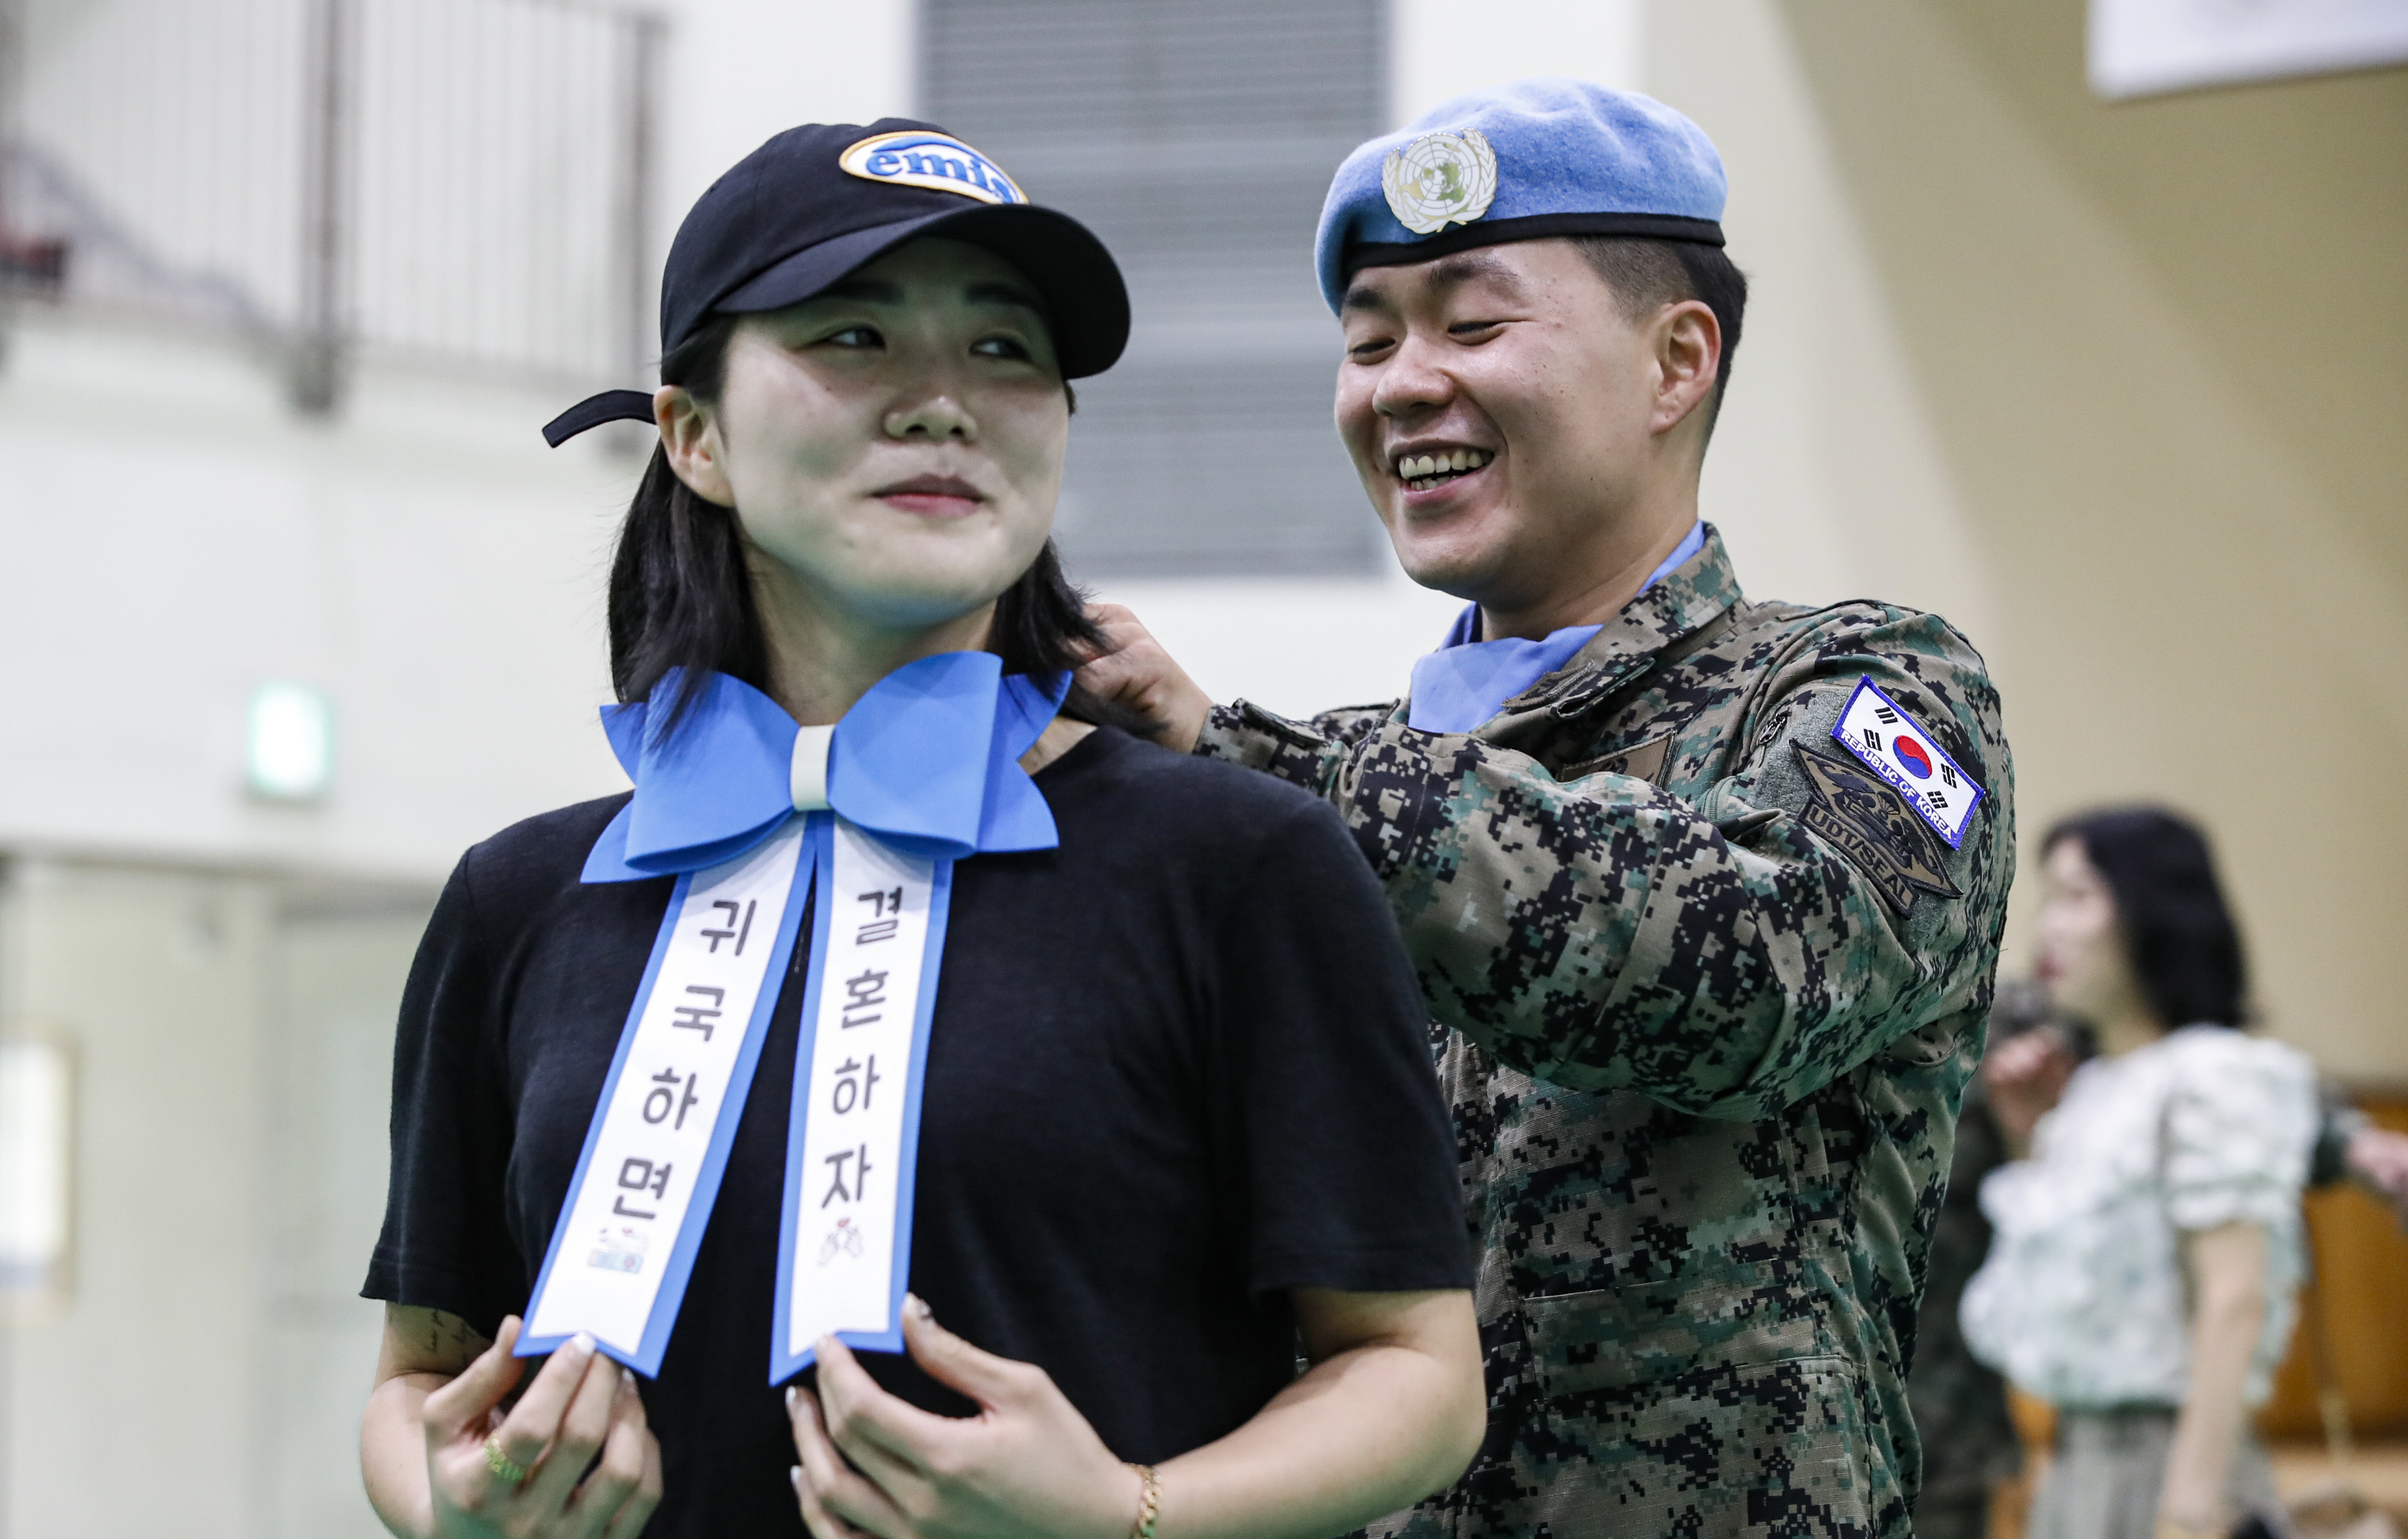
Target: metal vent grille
(1196, 138)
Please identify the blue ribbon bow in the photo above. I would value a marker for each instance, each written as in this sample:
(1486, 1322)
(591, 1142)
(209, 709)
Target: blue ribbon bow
(930, 757)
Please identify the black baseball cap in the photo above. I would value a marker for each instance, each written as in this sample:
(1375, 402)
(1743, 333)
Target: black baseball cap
(818, 201)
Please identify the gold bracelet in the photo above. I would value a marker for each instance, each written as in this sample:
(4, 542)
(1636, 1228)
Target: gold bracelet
(1149, 1502)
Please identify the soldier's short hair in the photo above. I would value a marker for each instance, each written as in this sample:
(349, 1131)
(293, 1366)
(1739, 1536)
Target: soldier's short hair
(1645, 275)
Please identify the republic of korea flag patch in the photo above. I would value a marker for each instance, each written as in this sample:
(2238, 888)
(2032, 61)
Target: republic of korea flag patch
(1894, 746)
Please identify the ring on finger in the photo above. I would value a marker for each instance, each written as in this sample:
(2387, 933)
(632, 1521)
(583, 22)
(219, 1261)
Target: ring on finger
(506, 1469)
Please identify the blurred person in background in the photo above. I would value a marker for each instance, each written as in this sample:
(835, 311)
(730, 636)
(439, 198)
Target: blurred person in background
(2149, 1242)
(2350, 1147)
(1177, 1124)
(1969, 1444)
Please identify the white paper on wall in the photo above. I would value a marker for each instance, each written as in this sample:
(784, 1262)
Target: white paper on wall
(2140, 48)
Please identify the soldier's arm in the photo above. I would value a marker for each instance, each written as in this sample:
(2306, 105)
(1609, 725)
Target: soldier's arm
(1721, 956)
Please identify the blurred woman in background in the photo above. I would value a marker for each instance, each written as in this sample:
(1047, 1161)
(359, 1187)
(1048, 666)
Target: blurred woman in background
(2148, 1237)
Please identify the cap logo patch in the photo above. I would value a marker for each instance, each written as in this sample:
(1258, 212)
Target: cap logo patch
(939, 162)
(1439, 179)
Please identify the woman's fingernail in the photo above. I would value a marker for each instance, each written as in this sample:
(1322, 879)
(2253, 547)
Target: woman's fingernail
(626, 1377)
(582, 1341)
(790, 1399)
(918, 1306)
(795, 1475)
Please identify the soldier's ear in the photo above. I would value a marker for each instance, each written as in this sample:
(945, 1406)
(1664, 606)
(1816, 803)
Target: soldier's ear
(1687, 342)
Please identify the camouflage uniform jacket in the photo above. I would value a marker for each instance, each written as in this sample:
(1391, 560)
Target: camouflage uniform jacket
(1714, 992)
(1960, 1403)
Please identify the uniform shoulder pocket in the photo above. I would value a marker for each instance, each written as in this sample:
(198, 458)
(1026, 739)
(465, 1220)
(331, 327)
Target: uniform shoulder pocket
(1614, 1338)
(1926, 1046)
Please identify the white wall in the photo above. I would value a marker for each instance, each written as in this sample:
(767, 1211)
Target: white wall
(234, 1040)
(333, 972)
(173, 535)
(741, 70)
(169, 1209)
(1440, 50)
(1826, 473)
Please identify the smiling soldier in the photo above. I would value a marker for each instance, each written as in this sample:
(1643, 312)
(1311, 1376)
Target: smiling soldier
(1705, 891)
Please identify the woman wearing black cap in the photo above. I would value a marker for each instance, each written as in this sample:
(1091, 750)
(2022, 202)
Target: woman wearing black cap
(903, 966)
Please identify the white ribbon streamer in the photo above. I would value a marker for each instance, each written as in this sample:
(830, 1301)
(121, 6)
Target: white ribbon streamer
(853, 1143)
(652, 1159)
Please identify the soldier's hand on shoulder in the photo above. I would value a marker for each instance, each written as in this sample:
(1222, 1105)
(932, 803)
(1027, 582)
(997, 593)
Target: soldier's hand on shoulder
(1136, 673)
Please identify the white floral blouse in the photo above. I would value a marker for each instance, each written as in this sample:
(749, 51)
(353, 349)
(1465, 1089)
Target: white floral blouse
(2081, 1301)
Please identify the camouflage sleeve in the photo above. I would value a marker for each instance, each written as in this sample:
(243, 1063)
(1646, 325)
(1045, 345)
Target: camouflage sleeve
(1307, 753)
(1725, 953)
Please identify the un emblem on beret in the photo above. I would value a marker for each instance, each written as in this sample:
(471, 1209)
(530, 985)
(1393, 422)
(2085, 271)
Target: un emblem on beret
(1439, 179)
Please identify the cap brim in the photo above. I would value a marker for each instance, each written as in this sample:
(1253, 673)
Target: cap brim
(1086, 302)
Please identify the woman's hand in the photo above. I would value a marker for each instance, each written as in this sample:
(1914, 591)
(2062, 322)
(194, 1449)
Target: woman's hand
(2023, 1077)
(1137, 674)
(2379, 1158)
(1027, 1465)
(1392, 1409)
(530, 1474)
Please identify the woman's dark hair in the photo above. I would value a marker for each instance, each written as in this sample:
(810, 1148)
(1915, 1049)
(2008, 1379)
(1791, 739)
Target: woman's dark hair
(2184, 946)
(681, 596)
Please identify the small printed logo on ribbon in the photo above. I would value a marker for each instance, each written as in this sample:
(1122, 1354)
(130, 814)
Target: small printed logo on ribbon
(1439, 179)
(842, 1240)
(1895, 747)
(919, 158)
(620, 1249)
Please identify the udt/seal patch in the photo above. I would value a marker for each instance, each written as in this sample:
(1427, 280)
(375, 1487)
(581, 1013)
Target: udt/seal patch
(1895, 747)
(919, 157)
(1870, 822)
(1439, 179)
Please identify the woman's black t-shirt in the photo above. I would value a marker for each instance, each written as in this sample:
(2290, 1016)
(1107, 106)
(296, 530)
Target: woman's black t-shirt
(1177, 1066)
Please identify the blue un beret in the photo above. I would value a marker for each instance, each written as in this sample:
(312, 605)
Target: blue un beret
(1545, 156)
